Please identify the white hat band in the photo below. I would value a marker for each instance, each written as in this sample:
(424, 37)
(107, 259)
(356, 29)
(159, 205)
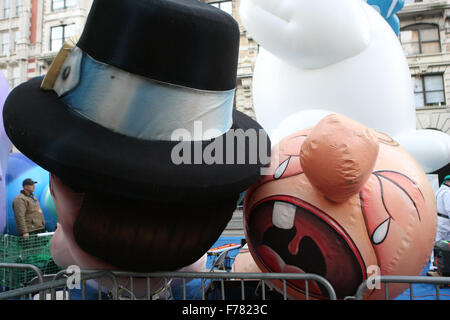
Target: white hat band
(140, 107)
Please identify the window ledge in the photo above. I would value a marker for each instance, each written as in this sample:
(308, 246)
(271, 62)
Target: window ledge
(62, 9)
(429, 108)
(425, 55)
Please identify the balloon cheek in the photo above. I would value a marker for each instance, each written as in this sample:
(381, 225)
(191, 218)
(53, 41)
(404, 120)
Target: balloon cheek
(67, 202)
(59, 248)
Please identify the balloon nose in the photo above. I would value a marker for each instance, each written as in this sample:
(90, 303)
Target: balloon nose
(338, 156)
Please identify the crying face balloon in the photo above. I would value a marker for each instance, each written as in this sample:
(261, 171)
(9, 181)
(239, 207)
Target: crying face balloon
(341, 201)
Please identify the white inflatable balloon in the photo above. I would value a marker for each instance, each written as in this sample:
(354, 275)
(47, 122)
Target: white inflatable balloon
(301, 119)
(336, 57)
(427, 147)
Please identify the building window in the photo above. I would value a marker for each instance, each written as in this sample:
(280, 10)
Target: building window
(224, 6)
(19, 6)
(6, 8)
(429, 90)
(63, 4)
(5, 43)
(16, 39)
(61, 34)
(420, 38)
(15, 79)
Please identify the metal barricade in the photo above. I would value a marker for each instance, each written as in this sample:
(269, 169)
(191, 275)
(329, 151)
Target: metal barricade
(50, 286)
(231, 276)
(20, 268)
(159, 285)
(34, 250)
(116, 285)
(386, 280)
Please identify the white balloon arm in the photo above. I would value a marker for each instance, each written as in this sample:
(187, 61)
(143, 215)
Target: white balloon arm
(308, 34)
(431, 148)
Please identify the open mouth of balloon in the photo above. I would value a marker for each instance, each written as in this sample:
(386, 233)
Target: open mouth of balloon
(290, 235)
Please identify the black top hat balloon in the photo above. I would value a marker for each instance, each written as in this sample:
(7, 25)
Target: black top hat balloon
(145, 74)
(107, 121)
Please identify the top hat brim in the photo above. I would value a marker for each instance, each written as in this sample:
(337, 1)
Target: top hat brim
(90, 157)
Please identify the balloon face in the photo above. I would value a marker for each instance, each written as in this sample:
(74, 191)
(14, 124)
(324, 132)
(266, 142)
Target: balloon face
(66, 251)
(388, 224)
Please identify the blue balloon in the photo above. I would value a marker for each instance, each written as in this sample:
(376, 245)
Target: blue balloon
(388, 9)
(18, 169)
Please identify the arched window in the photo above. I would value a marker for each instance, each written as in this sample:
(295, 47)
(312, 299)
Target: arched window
(420, 38)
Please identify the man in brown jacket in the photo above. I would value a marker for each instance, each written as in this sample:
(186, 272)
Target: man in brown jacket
(27, 211)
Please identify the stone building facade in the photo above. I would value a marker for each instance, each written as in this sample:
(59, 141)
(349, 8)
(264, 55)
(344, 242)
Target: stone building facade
(425, 36)
(248, 52)
(32, 31)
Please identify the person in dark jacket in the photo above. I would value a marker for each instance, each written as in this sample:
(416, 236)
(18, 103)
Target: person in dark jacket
(27, 211)
(443, 221)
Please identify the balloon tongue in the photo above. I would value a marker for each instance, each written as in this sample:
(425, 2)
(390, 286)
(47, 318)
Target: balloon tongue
(294, 244)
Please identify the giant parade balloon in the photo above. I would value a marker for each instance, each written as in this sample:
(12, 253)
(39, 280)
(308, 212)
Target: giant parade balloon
(344, 202)
(5, 148)
(326, 56)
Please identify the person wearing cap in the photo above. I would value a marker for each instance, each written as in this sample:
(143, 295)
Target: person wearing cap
(27, 211)
(443, 219)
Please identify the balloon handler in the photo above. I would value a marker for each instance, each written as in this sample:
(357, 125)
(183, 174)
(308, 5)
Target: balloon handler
(27, 211)
(440, 256)
(109, 107)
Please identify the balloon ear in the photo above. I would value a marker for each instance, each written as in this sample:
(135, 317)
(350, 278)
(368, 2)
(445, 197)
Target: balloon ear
(338, 156)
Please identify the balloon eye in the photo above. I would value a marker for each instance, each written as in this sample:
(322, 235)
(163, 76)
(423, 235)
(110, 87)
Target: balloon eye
(58, 68)
(381, 232)
(66, 73)
(281, 169)
(69, 76)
